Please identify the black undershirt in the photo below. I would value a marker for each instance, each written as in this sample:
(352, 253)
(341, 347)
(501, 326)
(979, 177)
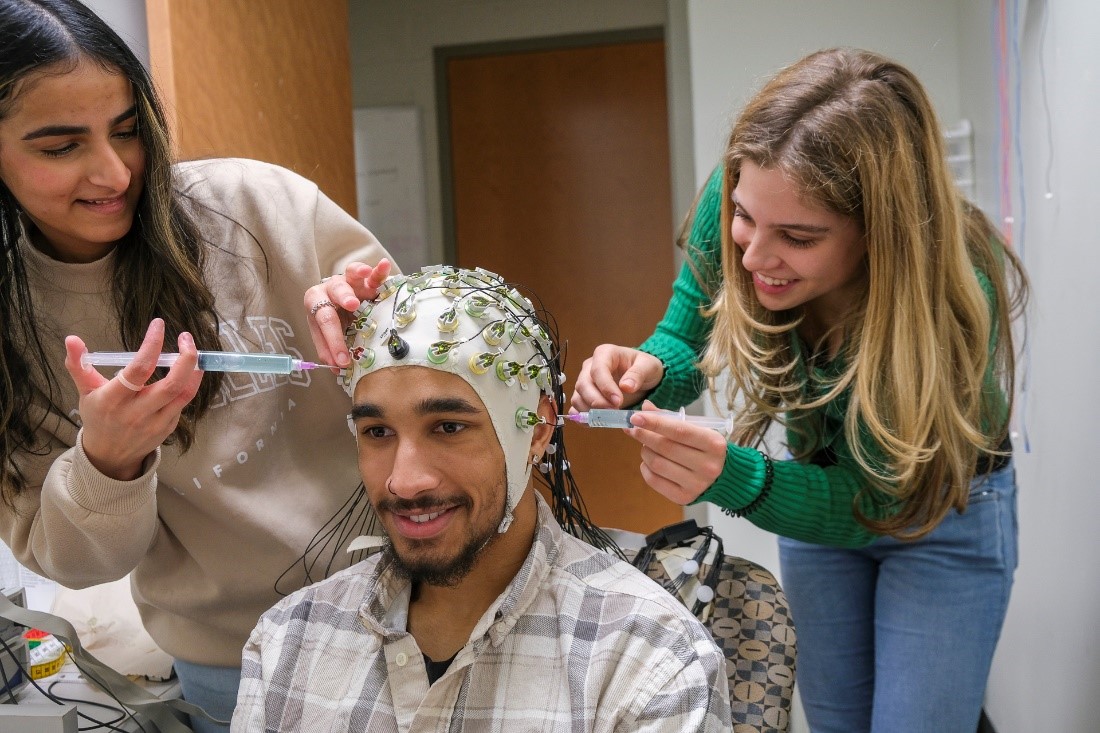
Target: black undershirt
(437, 669)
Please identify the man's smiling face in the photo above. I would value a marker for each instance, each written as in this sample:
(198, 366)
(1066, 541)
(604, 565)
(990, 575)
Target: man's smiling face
(433, 468)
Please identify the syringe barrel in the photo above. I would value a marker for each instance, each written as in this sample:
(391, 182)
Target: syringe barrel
(621, 419)
(230, 361)
(610, 418)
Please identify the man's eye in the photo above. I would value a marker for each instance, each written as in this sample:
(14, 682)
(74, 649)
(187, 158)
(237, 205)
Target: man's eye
(376, 431)
(451, 427)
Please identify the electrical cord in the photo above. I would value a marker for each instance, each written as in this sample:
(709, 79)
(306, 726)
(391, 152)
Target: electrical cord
(354, 518)
(122, 714)
(98, 724)
(684, 534)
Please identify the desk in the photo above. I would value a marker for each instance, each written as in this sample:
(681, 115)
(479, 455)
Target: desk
(69, 683)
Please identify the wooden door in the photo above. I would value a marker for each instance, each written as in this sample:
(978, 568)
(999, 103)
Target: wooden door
(264, 79)
(559, 161)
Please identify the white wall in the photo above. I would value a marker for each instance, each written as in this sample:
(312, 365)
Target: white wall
(737, 44)
(127, 18)
(1046, 674)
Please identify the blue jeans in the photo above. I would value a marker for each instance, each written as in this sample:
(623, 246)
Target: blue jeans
(214, 689)
(899, 636)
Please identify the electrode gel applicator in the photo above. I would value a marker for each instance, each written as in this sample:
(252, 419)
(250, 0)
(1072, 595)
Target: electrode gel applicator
(621, 419)
(210, 361)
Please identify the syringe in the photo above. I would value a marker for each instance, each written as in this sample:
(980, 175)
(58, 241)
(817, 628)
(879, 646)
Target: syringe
(621, 419)
(210, 361)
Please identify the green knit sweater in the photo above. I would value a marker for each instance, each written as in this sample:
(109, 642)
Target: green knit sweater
(809, 502)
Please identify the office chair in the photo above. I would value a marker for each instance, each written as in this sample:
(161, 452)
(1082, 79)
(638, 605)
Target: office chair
(749, 619)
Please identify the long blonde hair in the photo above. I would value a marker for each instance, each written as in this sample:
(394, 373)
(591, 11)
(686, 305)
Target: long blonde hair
(857, 135)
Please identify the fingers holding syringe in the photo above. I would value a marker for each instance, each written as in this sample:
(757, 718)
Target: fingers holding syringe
(124, 421)
(679, 460)
(85, 378)
(127, 381)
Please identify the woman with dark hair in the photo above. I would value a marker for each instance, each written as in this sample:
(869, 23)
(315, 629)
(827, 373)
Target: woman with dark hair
(839, 280)
(204, 487)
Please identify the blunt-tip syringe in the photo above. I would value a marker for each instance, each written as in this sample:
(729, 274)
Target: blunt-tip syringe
(621, 419)
(210, 361)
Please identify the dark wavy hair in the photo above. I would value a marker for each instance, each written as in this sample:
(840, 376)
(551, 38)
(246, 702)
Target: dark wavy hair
(159, 264)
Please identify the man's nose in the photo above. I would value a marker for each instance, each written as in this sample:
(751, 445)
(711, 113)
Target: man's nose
(412, 472)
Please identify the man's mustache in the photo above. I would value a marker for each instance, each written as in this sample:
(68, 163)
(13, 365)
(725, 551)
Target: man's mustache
(425, 504)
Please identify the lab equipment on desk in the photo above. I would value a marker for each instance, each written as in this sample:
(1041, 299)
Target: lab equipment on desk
(211, 361)
(621, 419)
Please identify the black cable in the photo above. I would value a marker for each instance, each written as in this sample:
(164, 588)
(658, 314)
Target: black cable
(106, 691)
(354, 518)
(684, 534)
(122, 714)
(59, 701)
(8, 684)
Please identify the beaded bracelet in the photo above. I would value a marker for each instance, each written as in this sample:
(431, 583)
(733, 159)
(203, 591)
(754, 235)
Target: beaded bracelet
(769, 475)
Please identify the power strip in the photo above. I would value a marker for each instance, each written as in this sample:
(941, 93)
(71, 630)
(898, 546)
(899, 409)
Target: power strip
(38, 718)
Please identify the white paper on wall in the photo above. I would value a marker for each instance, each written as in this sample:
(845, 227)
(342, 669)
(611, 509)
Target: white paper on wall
(389, 177)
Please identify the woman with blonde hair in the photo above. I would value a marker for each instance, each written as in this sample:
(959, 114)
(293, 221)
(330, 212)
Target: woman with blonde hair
(849, 293)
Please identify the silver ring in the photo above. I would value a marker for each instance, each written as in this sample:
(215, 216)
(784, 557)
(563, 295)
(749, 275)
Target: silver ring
(128, 384)
(319, 306)
(326, 279)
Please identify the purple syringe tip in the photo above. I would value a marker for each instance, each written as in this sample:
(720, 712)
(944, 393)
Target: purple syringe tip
(581, 417)
(314, 365)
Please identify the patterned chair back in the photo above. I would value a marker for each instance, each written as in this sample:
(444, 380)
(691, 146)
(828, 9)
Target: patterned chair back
(751, 622)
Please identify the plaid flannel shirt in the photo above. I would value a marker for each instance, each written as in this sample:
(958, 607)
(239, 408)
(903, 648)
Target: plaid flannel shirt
(579, 641)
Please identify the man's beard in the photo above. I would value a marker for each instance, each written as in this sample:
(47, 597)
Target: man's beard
(432, 570)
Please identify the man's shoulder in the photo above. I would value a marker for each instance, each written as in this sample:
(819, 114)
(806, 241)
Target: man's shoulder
(595, 572)
(627, 633)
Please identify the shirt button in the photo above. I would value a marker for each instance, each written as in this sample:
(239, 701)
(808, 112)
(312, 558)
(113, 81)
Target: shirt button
(402, 659)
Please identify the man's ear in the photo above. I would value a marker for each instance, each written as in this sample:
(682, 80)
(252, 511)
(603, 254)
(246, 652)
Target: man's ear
(544, 431)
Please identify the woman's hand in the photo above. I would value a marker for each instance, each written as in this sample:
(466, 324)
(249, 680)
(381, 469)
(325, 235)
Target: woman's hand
(679, 460)
(333, 300)
(123, 418)
(615, 376)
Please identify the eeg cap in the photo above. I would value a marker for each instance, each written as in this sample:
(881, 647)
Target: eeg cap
(472, 324)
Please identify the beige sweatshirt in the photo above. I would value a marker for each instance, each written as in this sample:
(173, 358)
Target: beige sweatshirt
(205, 534)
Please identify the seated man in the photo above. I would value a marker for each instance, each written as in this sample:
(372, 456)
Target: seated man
(480, 613)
